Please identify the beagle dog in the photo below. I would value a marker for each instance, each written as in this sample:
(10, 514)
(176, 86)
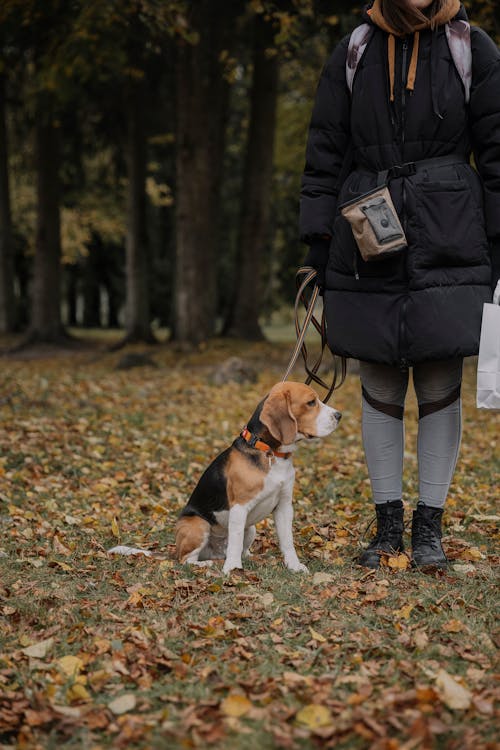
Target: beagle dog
(251, 479)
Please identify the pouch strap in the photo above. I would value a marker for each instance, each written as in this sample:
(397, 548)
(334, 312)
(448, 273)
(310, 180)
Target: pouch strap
(412, 167)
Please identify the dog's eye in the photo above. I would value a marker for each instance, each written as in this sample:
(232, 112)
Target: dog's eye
(311, 403)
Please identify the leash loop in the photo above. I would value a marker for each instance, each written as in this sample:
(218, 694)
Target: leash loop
(340, 363)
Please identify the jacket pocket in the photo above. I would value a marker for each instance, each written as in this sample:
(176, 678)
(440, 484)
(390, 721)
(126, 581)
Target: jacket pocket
(451, 227)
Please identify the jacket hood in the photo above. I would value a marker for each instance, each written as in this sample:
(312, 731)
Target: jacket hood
(372, 14)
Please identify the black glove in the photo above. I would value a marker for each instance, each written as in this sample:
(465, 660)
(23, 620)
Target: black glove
(317, 257)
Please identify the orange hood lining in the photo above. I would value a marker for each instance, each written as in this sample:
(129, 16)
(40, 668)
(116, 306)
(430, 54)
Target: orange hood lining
(446, 13)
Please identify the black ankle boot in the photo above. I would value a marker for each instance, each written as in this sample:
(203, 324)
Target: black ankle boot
(426, 537)
(389, 537)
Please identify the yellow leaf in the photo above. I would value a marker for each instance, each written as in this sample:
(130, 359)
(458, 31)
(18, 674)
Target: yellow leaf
(453, 626)
(398, 562)
(452, 693)
(314, 716)
(115, 529)
(317, 636)
(122, 704)
(62, 565)
(316, 539)
(77, 692)
(70, 665)
(473, 553)
(404, 612)
(135, 599)
(235, 705)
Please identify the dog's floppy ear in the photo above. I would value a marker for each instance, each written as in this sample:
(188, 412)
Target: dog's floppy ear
(278, 417)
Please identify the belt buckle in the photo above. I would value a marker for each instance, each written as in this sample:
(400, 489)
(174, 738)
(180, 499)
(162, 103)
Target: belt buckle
(404, 170)
(252, 441)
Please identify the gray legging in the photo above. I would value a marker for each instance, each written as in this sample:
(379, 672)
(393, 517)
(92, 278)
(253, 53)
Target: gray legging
(437, 385)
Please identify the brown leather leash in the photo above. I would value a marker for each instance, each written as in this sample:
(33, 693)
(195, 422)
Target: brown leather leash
(339, 363)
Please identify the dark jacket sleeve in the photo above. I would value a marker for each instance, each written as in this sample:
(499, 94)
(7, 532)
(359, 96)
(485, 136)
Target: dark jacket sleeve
(327, 143)
(485, 130)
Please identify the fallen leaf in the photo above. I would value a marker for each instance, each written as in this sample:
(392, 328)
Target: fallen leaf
(473, 553)
(464, 568)
(420, 639)
(235, 705)
(452, 693)
(397, 562)
(453, 626)
(115, 529)
(122, 704)
(70, 665)
(317, 636)
(426, 695)
(123, 550)
(39, 650)
(266, 599)
(71, 711)
(77, 692)
(314, 716)
(404, 612)
(322, 578)
(60, 548)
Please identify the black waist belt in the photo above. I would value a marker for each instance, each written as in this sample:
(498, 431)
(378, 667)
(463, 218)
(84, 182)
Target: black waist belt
(412, 167)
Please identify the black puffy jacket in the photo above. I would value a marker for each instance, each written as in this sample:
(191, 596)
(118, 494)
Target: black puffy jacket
(425, 303)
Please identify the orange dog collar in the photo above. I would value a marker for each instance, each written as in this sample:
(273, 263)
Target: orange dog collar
(254, 442)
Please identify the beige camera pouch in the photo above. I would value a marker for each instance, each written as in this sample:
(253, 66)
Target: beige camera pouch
(375, 224)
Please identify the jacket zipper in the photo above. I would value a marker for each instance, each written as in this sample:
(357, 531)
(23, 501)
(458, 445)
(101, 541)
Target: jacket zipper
(403, 95)
(402, 324)
(355, 265)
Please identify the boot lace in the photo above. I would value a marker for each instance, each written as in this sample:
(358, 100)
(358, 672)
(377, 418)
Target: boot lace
(425, 532)
(384, 533)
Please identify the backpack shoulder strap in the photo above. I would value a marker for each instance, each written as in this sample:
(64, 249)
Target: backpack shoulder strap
(358, 43)
(459, 42)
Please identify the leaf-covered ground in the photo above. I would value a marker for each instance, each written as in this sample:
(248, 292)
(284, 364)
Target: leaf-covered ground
(103, 651)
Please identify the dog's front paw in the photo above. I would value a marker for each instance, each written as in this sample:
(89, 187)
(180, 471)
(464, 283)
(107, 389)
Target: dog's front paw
(297, 566)
(229, 566)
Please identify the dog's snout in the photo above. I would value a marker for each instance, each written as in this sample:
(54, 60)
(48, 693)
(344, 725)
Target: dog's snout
(338, 416)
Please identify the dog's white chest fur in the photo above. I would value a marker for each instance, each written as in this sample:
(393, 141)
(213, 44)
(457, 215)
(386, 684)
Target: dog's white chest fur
(280, 475)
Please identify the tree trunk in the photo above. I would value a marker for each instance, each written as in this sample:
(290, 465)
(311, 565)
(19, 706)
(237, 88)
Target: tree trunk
(7, 301)
(71, 293)
(46, 324)
(201, 106)
(137, 313)
(243, 318)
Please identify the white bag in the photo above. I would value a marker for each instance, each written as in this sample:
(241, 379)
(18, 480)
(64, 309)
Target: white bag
(488, 368)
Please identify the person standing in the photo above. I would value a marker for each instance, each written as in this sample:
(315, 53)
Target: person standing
(410, 123)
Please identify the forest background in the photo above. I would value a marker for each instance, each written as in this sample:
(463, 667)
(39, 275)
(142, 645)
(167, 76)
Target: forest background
(150, 160)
